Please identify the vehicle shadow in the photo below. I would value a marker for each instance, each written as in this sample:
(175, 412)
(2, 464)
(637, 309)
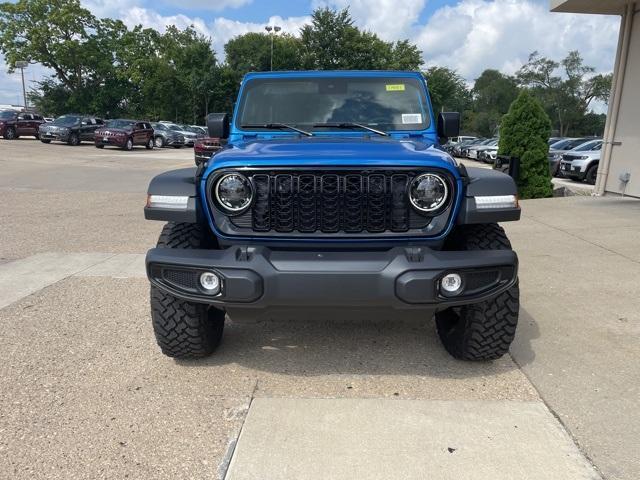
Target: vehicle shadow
(528, 330)
(361, 346)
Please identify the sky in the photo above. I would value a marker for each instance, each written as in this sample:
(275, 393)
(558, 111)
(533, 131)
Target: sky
(467, 35)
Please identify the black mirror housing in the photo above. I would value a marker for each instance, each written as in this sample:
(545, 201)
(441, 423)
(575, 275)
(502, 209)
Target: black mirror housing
(218, 125)
(448, 124)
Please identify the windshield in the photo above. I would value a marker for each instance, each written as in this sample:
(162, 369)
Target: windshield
(66, 120)
(7, 115)
(383, 103)
(593, 145)
(159, 126)
(120, 124)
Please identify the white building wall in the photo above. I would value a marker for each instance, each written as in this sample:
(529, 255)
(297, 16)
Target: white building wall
(625, 150)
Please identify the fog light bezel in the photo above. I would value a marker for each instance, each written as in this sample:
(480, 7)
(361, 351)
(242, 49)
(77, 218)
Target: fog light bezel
(210, 291)
(454, 293)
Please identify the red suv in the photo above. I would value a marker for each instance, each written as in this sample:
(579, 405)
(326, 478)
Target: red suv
(19, 124)
(125, 134)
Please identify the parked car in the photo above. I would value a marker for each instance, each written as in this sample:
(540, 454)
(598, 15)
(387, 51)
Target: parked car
(189, 136)
(71, 129)
(304, 218)
(205, 147)
(200, 129)
(15, 124)
(459, 149)
(452, 143)
(489, 154)
(188, 128)
(166, 137)
(557, 149)
(581, 163)
(125, 134)
(472, 152)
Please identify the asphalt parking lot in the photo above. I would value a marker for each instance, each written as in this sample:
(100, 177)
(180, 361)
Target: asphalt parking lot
(85, 393)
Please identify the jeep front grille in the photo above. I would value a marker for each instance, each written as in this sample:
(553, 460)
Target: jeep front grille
(349, 202)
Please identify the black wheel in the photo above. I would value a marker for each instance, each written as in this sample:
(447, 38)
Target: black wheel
(592, 174)
(159, 142)
(45, 141)
(480, 331)
(74, 140)
(99, 146)
(129, 144)
(177, 146)
(184, 329)
(10, 133)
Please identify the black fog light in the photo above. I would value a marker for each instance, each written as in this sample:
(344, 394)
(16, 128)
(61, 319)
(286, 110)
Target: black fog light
(233, 192)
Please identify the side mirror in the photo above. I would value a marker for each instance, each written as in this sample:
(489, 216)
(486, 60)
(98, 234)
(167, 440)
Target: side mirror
(448, 124)
(218, 125)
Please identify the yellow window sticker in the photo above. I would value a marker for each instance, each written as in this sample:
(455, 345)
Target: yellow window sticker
(395, 88)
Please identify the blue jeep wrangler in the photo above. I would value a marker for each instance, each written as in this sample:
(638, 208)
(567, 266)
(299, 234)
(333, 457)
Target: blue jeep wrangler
(332, 195)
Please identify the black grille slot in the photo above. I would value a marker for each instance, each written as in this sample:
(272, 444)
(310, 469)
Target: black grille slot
(344, 201)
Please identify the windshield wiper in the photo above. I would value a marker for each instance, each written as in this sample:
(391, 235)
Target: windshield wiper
(279, 126)
(352, 125)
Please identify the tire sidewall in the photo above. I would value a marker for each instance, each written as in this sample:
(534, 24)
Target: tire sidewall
(129, 145)
(159, 142)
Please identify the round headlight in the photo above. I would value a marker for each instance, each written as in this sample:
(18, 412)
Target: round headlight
(233, 192)
(428, 192)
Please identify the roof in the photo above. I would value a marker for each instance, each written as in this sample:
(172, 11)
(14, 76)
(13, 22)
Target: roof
(333, 73)
(610, 7)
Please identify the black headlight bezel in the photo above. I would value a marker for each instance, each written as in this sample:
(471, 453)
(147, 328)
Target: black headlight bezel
(448, 193)
(214, 194)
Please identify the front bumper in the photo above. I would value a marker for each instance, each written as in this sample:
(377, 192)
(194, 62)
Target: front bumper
(58, 136)
(401, 278)
(117, 141)
(572, 170)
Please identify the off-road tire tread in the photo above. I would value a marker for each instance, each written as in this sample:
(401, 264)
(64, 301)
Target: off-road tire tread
(184, 329)
(481, 331)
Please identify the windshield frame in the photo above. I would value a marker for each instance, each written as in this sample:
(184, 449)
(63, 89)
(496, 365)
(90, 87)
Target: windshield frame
(590, 144)
(382, 75)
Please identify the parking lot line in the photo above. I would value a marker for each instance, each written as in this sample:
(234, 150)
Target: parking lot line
(408, 439)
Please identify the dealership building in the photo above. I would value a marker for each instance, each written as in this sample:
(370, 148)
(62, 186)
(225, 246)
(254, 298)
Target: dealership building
(619, 168)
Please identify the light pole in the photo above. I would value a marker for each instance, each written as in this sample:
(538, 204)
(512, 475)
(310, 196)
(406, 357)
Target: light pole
(21, 64)
(275, 30)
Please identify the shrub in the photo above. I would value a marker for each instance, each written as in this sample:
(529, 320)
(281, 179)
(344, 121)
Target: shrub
(524, 133)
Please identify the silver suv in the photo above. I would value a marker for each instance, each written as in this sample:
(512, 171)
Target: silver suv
(581, 163)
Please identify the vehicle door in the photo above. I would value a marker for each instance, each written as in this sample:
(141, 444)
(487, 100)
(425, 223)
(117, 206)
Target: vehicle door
(24, 124)
(138, 134)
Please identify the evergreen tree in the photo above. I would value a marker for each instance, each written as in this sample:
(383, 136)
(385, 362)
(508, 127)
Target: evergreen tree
(523, 134)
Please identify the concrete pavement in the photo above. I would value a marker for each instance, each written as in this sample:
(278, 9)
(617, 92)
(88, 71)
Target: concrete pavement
(85, 393)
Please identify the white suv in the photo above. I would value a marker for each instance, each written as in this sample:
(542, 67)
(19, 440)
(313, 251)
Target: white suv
(581, 163)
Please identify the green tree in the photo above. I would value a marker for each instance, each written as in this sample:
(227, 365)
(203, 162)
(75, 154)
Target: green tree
(333, 42)
(251, 52)
(448, 90)
(524, 133)
(568, 94)
(493, 92)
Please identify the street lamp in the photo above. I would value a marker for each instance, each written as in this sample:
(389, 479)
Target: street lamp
(275, 30)
(21, 64)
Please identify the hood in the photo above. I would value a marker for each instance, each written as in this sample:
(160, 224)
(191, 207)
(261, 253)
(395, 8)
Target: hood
(338, 151)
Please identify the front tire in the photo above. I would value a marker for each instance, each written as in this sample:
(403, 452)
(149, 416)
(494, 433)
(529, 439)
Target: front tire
(10, 134)
(149, 145)
(159, 142)
(184, 329)
(591, 175)
(99, 145)
(45, 141)
(485, 330)
(129, 145)
(74, 140)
